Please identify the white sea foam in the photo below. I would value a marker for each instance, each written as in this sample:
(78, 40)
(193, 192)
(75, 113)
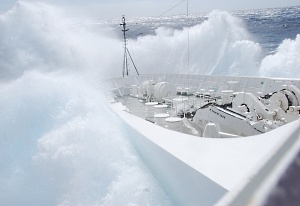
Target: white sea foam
(61, 145)
(60, 142)
(220, 45)
(36, 36)
(285, 62)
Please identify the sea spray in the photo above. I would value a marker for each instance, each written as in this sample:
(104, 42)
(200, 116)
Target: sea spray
(285, 62)
(62, 145)
(36, 36)
(60, 142)
(219, 45)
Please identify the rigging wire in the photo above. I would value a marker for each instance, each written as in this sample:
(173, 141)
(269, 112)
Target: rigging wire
(171, 8)
(167, 11)
(131, 49)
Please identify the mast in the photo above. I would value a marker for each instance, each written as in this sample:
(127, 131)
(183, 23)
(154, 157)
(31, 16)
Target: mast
(126, 51)
(125, 62)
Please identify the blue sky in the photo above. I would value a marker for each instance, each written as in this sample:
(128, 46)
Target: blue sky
(113, 8)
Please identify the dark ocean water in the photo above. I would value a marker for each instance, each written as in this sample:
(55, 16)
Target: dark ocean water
(271, 26)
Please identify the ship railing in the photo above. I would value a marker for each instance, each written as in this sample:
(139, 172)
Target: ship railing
(196, 83)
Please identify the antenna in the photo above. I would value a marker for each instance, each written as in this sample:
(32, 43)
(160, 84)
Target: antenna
(187, 16)
(188, 43)
(126, 51)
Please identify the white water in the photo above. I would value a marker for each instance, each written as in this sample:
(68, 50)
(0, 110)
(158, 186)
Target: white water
(220, 45)
(60, 144)
(285, 62)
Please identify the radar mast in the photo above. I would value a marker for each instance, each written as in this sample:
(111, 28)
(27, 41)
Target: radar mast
(126, 51)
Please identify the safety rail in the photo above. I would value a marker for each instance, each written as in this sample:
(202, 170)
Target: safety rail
(121, 86)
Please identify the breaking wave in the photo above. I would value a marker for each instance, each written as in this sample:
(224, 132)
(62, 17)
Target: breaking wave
(285, 62)
(60, 142)
(219, 45)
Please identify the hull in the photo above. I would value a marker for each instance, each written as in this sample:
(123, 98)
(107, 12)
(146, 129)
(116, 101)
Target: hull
(201, 170)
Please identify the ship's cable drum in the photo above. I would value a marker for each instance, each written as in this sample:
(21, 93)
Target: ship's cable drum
(147, 87)
(163, 90)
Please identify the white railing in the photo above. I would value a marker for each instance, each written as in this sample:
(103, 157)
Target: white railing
(121, 86)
